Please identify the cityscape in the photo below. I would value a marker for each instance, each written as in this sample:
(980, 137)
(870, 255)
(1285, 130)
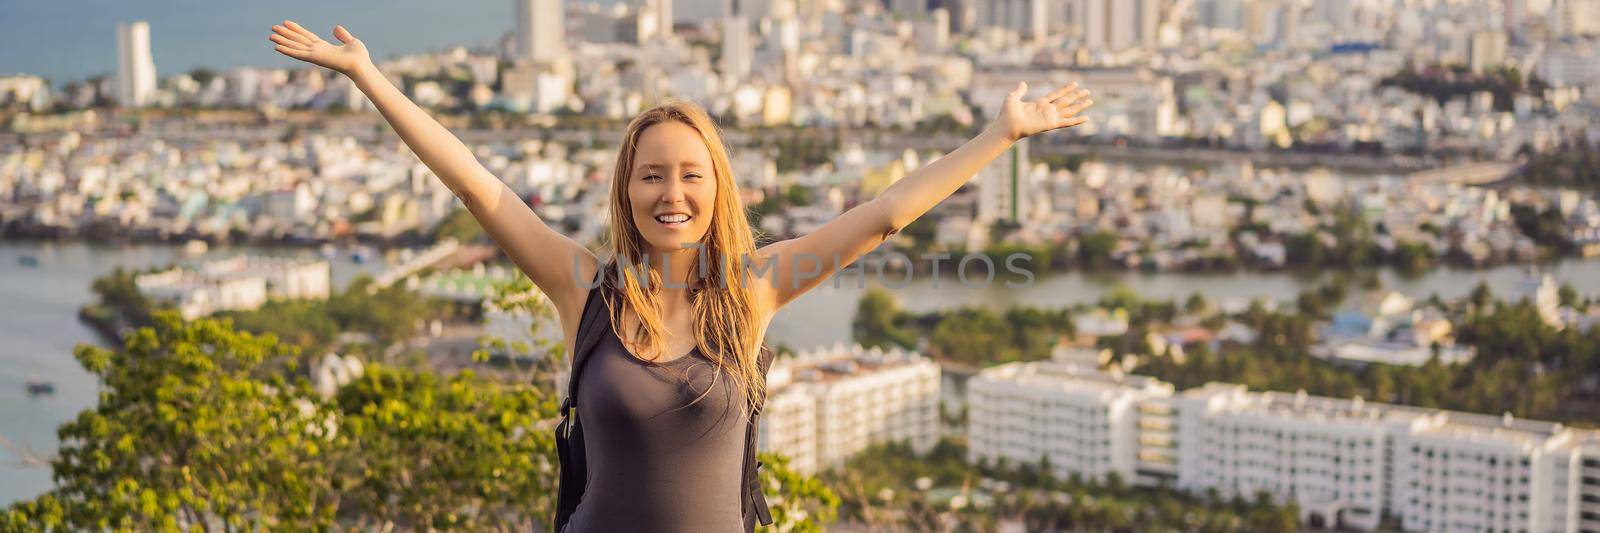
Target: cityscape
(1327, 264)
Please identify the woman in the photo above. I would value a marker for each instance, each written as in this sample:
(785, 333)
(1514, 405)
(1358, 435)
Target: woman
(667, 390)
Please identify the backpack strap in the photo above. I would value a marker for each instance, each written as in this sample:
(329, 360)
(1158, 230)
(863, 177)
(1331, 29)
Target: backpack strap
(592, 325)
(754, 499)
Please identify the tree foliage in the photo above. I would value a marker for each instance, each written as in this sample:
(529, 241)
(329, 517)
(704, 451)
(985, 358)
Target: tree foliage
(200, 425)
(891, 487)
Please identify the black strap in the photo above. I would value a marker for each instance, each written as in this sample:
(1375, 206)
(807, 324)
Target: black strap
(754, 499)
(569, 433)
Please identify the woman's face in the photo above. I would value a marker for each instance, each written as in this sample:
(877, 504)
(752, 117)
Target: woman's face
(671, 187)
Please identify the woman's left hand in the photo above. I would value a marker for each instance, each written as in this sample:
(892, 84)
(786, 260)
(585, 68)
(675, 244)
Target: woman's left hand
(1059, 109)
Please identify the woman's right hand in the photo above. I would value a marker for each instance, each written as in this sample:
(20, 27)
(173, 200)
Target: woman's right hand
(299, 43)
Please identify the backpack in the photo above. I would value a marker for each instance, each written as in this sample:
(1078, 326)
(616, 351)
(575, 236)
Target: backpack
(569, 433)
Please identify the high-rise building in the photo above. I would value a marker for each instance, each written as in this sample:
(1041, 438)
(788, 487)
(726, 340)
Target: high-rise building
(136, 71)
(1487, 51)
(1570, 18)
(736, 48)
(1116, 24)
(908, 8)
(541, 30)
(664, 20)
(824, 406)
(1227, 14)
(1515, 13)
(1029, 18)
(701, 11)
(1002, 186)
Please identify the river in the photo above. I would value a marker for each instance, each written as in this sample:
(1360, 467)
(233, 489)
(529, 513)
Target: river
(40, 305)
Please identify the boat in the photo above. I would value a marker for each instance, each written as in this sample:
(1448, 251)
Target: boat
(362, 254)
(329, 251)
(28, 261)
(39, 387)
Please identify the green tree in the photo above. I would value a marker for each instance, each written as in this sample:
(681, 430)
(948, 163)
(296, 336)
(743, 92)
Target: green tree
(798, 502)
(460, 225)
(200, 425)
(190, 432)
(1094, 249)
(876, 319)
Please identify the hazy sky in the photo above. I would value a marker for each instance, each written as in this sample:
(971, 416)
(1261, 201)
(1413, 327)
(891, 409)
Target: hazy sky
(67, 40)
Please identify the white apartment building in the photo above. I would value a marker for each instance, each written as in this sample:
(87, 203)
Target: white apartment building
(286, 278)
(1346, 463)
(237, 283)
(1575, 483)
(828, 404)
(1083, 421)
(1328, 455)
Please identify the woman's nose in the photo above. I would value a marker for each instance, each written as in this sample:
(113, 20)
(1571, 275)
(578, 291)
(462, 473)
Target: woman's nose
(673, 193)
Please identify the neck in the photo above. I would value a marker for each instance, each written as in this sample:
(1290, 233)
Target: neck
(676, 268)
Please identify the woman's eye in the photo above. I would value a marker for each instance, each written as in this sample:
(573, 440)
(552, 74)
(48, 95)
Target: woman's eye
(692, 175)
(652, 177)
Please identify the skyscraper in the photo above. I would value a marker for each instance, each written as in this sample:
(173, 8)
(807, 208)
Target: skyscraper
(541, 29)
(664, 18)
(136, 71)
(1117, 24)
(1028, 17)
(1001, 194)
(736, 48)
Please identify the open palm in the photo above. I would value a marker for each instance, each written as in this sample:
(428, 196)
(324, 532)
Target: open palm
(1059, 109)
(299, 43)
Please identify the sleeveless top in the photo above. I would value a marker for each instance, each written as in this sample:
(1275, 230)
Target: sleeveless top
(664, 442)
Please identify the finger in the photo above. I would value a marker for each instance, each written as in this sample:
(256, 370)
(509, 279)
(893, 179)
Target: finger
(292, 52)
(285, 41)
(1069, 98)
(1064, 104)
(1074, 121)
(296, 27)
(1060, 92)
(343, 35)
(292, 35)
(1022, 88)
(1077, 108)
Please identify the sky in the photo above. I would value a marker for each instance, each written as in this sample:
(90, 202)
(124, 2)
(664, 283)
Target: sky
(68, 40)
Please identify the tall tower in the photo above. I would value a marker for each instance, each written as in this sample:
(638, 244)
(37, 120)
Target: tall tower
(136, 71)
(1002, 192)
(1118, 24)
(1030, 18)
(541, 29)
(664, 18)
(736, 60)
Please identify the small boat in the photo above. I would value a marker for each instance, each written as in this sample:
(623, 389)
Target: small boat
(329, 251)
(39, 387)
(362, 254)
(28, 261)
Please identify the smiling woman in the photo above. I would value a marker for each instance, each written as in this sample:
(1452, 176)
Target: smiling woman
(676, 353)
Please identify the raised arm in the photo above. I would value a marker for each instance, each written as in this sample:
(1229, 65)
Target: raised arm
(859, 230)
(546, 256)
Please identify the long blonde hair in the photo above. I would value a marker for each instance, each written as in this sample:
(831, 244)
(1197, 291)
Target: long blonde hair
(725, 307)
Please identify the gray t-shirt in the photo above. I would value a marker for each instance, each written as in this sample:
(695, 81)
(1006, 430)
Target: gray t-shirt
(664, 444)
